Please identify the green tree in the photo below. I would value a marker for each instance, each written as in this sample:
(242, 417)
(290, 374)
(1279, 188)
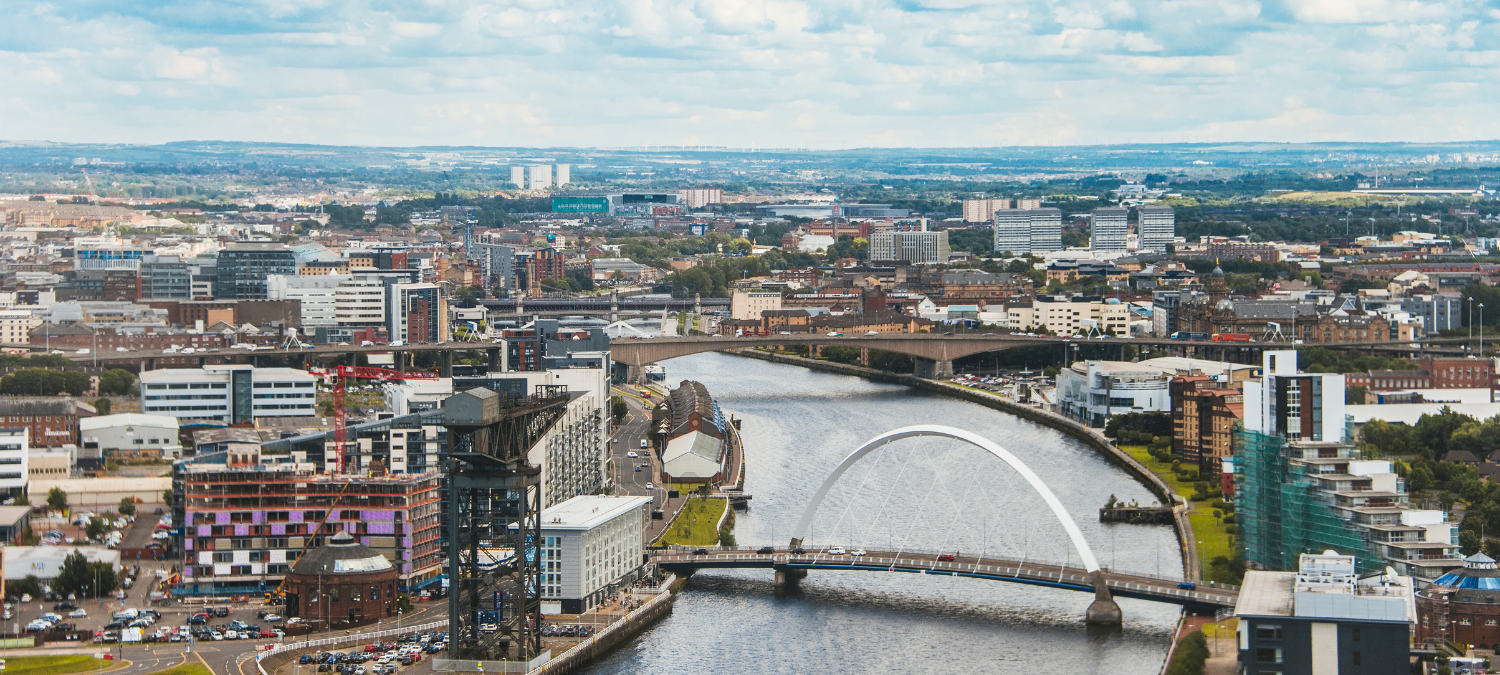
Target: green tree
(30, 585)
(102, 405)
(1190, 655)
(117, 382)
(618, 407)
(127, 506)
(97, 528)
(1355, 395)
(57, 499)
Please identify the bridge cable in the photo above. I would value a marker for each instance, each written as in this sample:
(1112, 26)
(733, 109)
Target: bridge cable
(937, 474)
(957, 506)
(858, 490)
(885, 502)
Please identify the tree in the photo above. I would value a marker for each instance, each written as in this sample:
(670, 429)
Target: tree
(43, 382)
(22, 500)
(102, 405)
(57, 499)
(84, 578)
(97, 528)
(28, 586)
(1355, 395)
(117, 382)
(618, 407)
(127, 506)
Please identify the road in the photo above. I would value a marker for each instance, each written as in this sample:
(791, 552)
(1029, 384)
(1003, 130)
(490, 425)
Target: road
(628, 481)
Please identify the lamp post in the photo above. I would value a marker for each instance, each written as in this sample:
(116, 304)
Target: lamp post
(1481, 330)
(1471, 322)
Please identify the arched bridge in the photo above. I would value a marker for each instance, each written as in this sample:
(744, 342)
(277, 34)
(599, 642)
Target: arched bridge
(793, 562)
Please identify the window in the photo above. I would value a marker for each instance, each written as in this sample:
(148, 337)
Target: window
(1355, 634)
(1356, 658)
(223, 557)
(374, 592)
(1272, 632)
(1268, 655)
(333, 595)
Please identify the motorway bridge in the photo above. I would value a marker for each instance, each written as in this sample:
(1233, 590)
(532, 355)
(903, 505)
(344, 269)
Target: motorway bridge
(934, 354)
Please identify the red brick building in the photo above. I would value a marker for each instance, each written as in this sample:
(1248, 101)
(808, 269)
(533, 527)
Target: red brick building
(340, 584)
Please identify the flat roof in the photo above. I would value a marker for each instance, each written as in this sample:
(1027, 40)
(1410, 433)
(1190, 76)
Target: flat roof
(589, 511)
(1266, 594)
(127, 419)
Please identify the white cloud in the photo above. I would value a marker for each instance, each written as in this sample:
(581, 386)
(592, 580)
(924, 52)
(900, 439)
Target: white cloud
(754, 72)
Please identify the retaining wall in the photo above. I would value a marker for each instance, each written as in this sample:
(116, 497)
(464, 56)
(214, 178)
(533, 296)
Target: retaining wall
(613, 634)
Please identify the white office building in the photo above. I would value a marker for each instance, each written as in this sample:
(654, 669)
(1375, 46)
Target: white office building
(540, 175)
(1012, 229)
(697, 198)
(751, 304)
(591, 547)
(318, 294)
(564, 174)
(360, 301)
(916, 248)
(1157, 228)
(131, 436)
(16, 325)
(518, 176)
(236, 394)
(14, 453)
(1108, 228)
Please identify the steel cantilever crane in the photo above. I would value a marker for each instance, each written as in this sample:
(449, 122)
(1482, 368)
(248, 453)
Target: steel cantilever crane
(341, 375)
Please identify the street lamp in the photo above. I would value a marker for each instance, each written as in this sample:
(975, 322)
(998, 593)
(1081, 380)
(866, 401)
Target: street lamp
(1471, 322)
(1481, 330)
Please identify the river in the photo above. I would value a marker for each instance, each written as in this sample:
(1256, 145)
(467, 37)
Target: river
(797, 425)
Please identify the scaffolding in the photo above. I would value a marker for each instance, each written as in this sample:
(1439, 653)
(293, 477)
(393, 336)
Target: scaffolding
(1282, 513)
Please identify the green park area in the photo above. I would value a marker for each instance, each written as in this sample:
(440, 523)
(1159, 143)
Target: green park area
(1217, 551)
(697, 524)
(186, 669)
(57, 665)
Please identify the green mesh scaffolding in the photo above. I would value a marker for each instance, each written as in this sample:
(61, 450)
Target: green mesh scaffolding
(1280, 512)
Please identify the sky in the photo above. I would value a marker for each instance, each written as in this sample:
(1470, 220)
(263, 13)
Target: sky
(750, 73)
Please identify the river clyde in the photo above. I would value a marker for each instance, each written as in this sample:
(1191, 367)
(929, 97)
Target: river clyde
(928, 494)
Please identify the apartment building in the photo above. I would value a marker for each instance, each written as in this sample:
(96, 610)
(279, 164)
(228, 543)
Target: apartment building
(1070, 315)
(1156, 228)
(248, 518)
(243, 268)
(16, 325)
(982, 210)
(1108, 228)
(1205, 410)
(15, 453)
(748, 305)
(318, 295)
(917, 248)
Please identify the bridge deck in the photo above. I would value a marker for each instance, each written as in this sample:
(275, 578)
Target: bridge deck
(1015, 571)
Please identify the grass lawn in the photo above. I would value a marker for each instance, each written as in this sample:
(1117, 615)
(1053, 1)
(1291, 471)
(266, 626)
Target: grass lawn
(1213, 537)
(697, 525)
(55, 665)
(186, 669)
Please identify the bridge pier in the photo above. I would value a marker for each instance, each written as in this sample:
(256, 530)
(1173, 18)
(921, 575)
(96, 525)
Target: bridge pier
(789, 577)
(635, 374)
(1103, 611)
(445, 363)
(933, 369)
(495, 357)
(864, 356)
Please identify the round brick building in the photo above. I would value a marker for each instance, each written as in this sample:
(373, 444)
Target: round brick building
(342, 583)
(1462, 606)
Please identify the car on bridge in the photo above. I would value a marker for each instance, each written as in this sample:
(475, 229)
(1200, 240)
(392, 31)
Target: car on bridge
(765, 550)
(837, 550)
(946, 557)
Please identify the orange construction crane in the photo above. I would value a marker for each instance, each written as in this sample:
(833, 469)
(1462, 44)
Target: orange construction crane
(342, 374)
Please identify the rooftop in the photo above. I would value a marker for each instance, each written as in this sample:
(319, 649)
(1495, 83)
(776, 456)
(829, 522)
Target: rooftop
(588, 511)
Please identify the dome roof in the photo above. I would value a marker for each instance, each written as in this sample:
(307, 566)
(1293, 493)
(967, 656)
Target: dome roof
(341, 555)
(1218, 271)
(1479, 571)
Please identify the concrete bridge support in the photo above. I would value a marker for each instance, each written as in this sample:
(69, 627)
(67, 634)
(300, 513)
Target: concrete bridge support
(495, 360)
(864, 356)
(932, 369)
(635, 374)
(789, 577)
(1103, 611)
(445, 364)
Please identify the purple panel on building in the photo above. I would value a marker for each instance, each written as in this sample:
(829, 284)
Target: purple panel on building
(205, 530)
(377, 515)
(382, 528)
(241, 530)
(257, 516)
(187, 543)
(222, 518)
(278, 529)
(296, 516)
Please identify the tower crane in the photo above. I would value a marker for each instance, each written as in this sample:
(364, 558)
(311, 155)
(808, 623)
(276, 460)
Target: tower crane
(341, 376)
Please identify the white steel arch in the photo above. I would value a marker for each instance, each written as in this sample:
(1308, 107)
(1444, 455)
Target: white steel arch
(1084, 552)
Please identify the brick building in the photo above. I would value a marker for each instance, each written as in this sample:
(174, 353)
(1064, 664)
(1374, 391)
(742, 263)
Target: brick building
(1204, 413)
(341, 584)
(53, 421)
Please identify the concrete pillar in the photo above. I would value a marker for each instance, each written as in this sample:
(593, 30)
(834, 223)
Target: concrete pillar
(1103, 611)
(789, 577)
(614, 306)
(931, 369)
(495, 356)
(520, 304)
(697, 304)
(864, 356)
(445, 363)
(635, 374)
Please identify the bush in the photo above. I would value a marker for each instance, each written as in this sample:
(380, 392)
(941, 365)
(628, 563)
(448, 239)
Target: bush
(1229, 519)
(1190, 656)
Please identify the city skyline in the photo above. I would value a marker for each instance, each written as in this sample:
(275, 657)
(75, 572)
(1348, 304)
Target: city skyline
(740, 74)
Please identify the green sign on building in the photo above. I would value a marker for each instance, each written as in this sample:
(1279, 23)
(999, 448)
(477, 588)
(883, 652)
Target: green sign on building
(580, 205)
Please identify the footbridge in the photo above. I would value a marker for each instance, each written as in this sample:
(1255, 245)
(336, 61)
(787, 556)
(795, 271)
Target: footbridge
(795, 560)
(790, 565)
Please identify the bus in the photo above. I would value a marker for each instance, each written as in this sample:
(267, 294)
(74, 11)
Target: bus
(1230, 337)
(1181, 335)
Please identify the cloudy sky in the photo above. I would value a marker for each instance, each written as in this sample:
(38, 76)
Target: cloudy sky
(763, 73)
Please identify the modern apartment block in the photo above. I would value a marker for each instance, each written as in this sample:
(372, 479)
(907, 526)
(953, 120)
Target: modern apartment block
(1012, 229)
(1301, 489)
(518, 176)
(1156, 228)
(917, 248)
(539, 176)
(1046, 230)
(244, 266)
(497, 262)
(235, 394)
(697, 198)
(1108, 229)
(418, 313)
(247, 518)
(590, 546)
(318, 295)
(15, 453)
